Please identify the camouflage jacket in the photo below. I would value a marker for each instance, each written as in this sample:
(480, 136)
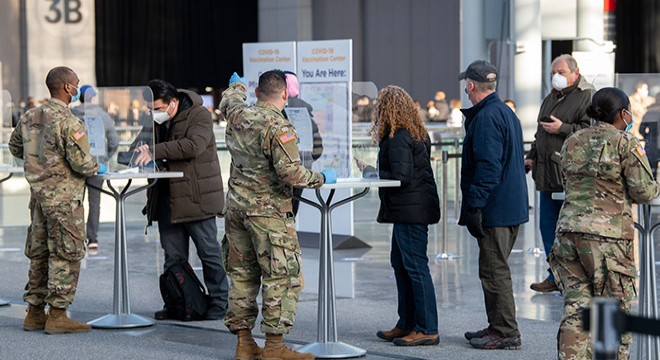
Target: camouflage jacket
(604, 170)
(265, 162)
(55, 148)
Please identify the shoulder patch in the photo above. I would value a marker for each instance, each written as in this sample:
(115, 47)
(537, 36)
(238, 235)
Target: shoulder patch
(287, 137)
(640, 150)
(79, 135)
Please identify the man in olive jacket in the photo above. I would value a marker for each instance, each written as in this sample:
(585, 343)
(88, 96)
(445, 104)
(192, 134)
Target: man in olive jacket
(185, 208)
(562, 113)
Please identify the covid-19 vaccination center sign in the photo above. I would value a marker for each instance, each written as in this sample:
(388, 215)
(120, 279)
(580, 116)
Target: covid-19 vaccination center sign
(60, 33)
(261, 57)
(325, 74)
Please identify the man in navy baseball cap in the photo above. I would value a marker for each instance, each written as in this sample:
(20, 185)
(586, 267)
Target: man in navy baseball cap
(480, 71)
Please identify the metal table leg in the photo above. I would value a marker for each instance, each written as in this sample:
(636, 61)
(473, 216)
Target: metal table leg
(327, 345)
(648, 299)
(121, 316)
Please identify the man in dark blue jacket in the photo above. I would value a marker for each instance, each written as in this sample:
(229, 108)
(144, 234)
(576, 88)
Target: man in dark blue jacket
(494, 200)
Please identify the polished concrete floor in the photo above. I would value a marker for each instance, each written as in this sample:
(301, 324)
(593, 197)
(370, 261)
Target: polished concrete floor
(366, 274)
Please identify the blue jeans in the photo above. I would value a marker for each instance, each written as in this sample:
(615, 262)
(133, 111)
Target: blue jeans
(417, 308)
(548, 216)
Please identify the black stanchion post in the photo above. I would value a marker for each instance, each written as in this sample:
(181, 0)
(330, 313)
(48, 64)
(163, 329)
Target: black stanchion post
(605, 328)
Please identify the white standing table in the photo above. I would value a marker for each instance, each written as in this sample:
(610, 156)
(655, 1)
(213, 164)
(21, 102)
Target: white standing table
(327, 345)
(10, 170)
(648, 296)
(121, 316)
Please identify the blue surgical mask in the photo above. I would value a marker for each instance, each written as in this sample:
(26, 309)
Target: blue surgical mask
(75, 97)
(632, 121)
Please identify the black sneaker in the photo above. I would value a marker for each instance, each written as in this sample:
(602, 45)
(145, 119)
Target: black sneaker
(477, 334)
(495, 341)
(162, 314)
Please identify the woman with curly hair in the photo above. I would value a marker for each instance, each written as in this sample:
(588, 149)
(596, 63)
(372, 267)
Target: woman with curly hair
(404, 155)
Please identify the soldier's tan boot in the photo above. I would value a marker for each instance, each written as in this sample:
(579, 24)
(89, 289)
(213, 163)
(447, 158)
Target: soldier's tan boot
(276, 350)
(59, 323)
(35, 319)
(247, 348)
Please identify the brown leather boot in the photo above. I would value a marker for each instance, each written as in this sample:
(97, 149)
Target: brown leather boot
(59, 323)
(36, 318)
(392, 334)
(247, 348)
(276, 350)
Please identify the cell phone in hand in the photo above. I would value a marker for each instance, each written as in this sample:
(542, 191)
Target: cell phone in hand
(546, 119)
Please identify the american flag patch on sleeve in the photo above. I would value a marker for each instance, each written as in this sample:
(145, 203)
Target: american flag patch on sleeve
(640, 150)
(79, 135)
(286, 138)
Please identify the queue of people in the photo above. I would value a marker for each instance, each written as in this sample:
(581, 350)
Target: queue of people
(601, 167)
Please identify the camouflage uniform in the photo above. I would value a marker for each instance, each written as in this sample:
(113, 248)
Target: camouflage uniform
(604, 171)
(55, 148)
(261, 245)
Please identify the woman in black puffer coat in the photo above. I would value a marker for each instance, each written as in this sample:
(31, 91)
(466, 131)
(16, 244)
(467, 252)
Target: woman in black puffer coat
(404, 155)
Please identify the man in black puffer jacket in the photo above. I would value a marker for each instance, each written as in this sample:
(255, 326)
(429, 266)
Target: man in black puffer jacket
(186, 208)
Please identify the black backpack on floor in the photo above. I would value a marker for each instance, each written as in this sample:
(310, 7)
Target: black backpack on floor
(184, 295)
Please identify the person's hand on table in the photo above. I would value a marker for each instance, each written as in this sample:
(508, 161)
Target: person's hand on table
(143, 157)
(360, 164)
(329, 176)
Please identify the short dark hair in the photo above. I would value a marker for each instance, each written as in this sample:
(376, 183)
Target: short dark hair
(161, 90)
(271, 83)
(57, 77)
(606, 103)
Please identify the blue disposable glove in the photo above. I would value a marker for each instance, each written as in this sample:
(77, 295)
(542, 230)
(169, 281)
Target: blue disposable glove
(235, 78)
(329, 176)
(102, 169)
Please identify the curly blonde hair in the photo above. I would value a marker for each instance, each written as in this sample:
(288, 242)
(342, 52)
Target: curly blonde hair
(395, 110)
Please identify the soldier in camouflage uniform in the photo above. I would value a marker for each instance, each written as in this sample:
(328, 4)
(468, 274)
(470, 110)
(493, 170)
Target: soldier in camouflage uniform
(605, 169)
(55, 148)
(261, 245)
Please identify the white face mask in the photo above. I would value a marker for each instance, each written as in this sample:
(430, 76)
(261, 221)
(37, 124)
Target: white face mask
(559, 82)
(161, 116)
(643, 92)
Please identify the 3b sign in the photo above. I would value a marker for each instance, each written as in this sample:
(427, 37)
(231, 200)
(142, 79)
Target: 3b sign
(64, 10)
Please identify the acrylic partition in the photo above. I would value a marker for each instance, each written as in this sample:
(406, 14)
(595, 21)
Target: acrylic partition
(363, 108)
(118, 122)
(10, 113)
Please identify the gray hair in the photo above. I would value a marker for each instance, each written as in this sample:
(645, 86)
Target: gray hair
(570, 60)
(484, 86)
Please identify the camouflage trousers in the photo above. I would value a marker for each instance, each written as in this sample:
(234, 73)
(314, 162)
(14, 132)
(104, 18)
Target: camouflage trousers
(587, 266)
(264, 252)
(55, 245)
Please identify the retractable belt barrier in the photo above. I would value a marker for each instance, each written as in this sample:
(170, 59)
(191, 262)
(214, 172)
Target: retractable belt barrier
(607, 322)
